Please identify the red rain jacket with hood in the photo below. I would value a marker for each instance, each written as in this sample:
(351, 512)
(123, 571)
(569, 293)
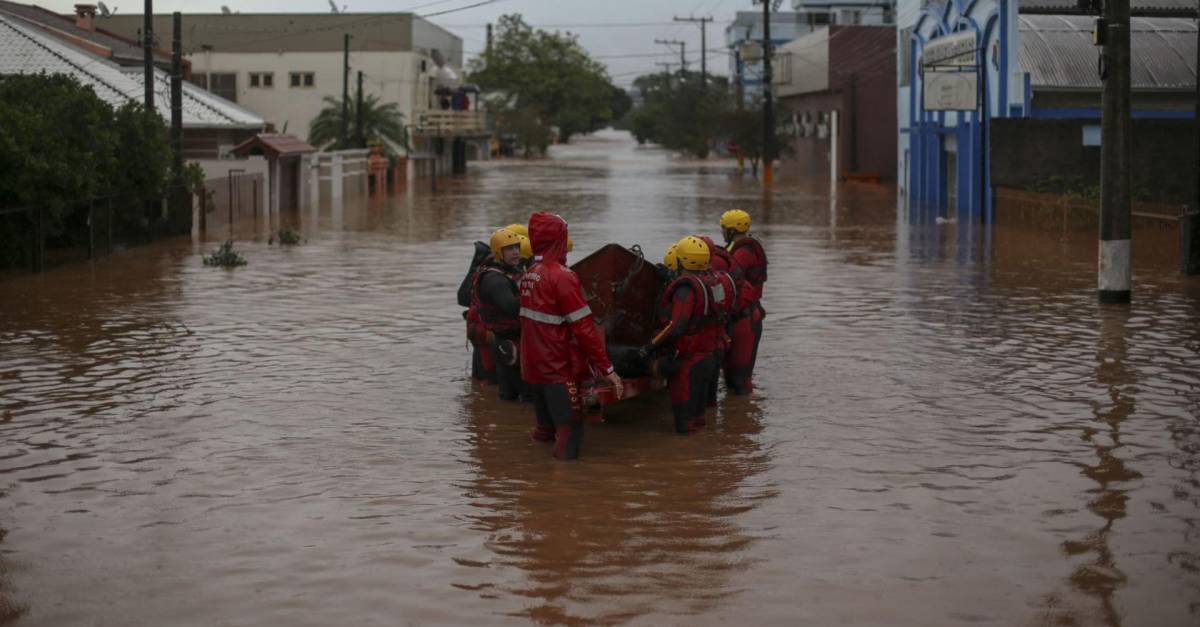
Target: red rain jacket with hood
(557, 331)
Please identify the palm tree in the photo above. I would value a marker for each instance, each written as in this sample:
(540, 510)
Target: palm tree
(381, 123)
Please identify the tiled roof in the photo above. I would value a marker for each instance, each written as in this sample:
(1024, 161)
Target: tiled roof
(1057, 51)
(24, 50)
(279, 144)
(123, 50)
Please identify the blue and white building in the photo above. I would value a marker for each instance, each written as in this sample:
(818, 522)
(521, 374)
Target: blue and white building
(962, 63)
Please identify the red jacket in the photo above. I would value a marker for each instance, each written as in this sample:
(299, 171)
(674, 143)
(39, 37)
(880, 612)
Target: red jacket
(691, 324)
(557, 330)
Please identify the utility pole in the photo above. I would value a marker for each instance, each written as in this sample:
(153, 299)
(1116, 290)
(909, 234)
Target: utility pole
(768, 106)
(1115, 157)
(179, 205)
(358, 115)
(1189, 224)
(345, 89)
(703, 21)
(488, 49)
(682, 47)
(148, 52)
(667, 69)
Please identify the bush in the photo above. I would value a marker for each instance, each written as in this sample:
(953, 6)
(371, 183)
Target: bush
(225, 257)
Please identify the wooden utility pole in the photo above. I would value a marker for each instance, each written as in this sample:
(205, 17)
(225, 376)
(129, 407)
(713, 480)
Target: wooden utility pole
(345, 89)
(148, 52)
(768, 106)
(682, 47)
(703, 21)
(179, 198)
(1116, 123)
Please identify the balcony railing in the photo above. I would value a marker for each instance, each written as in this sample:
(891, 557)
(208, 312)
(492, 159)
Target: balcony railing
(450, 124)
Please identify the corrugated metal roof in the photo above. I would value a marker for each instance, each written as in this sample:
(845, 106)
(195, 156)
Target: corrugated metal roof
(1148, 8)
(1057, 52)
(24, 50)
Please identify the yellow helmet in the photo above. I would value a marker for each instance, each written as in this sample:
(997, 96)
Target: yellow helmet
(519, 229)
(526, 247)
(669, 258)
(692, 253)
(736, 219)
(502, 239)
(570, 245)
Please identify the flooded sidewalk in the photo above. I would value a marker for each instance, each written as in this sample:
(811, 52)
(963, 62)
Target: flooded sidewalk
(947, 428)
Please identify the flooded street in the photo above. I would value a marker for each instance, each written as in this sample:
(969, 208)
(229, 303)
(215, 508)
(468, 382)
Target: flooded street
(947, 429)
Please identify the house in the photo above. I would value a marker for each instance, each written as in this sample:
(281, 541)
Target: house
(285, 66)
(80, 30)
(847, 71)
(807, 16)
(209, 122)
(995, 90)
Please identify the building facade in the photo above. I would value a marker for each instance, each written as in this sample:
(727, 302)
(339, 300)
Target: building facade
(963, 64)
(842, 70)
(285, 65)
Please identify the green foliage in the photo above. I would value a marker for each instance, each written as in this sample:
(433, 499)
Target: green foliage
(60, 146)
(546, 73)
(679, 112)
(288, 237)
(225, 257)
(193, 177)
(383, 124)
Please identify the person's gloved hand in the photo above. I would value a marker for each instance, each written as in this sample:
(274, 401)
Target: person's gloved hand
(507, 349)
(664, 273)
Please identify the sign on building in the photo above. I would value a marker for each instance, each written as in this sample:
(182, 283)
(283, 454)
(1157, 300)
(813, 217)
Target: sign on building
(951, 91)
(952, 50)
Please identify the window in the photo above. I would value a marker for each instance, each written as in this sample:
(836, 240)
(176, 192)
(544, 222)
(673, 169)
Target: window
(200, 80)
(223, 85)
(818, 19)
(301, 79)
(263, 80)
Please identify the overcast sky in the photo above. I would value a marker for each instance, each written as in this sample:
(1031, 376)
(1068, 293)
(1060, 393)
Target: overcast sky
(619, 33)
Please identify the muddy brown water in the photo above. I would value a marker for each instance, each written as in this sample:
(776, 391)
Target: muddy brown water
(948, 429)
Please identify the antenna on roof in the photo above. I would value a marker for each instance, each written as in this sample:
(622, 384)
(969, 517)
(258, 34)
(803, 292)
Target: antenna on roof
(225, 10)
(333, 7)
(104, 12)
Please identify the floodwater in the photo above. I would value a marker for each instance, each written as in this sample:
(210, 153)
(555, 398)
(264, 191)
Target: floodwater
(947, 430)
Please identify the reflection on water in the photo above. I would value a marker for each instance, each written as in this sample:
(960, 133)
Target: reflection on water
(948, 429)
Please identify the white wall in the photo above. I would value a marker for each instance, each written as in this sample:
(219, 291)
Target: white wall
(393, 76)
(219, 168)
(803, 65)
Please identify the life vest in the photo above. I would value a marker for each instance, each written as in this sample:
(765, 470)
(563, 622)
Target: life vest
(492, 317)
(757, 273)
(723, 292)
(702, 312)
(721, 259)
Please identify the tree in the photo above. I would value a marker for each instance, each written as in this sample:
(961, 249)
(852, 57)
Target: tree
(549, 73)
(62, 146)
(679, 112)
(746, 128)
(381, 123)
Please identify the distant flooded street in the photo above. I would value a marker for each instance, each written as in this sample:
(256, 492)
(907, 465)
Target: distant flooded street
(947, 428)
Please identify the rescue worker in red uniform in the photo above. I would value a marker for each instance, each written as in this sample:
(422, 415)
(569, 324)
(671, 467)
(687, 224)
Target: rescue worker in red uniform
(688, 336)
(729, 296)
(750, 265)
(483, 367)
(558, 336)
(495, 298)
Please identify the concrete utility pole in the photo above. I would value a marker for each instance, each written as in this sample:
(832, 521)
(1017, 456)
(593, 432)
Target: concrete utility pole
(488, 49)
(179, 206)
(667, 69)
(1189, 224)
(1115, 157)
(345, 89)
(768, 106)
(682, 47)
(360, 140)
(703, 21)
(148, 52)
